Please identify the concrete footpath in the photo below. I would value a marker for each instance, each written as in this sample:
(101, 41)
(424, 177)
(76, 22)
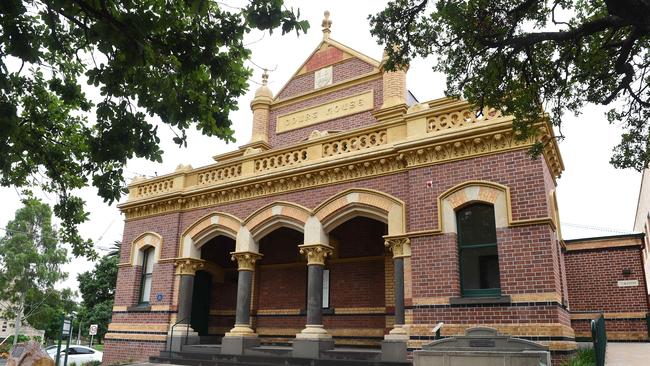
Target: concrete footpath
(627, 354)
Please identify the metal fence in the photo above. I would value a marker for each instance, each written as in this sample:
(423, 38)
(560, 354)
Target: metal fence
(599, 337)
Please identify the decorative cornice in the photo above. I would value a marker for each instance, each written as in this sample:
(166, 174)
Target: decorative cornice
(406, 143)
(316, 253)
(188, 266)
(245, 260)
(400, 247)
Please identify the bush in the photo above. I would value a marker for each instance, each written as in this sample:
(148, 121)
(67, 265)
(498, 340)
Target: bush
(584, 357)
(92, 363)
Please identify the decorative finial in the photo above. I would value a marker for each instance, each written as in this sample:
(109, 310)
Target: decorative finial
(265, 77)
(326, 24)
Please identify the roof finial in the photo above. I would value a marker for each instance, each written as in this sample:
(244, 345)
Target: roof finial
(265, 77)
(326, 24)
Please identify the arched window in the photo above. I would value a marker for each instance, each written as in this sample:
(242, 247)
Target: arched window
(147, 271)
(477, 246)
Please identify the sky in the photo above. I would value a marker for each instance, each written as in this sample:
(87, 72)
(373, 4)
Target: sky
(591, 193)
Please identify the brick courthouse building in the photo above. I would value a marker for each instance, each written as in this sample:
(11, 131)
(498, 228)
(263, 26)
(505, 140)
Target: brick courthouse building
(357, 215)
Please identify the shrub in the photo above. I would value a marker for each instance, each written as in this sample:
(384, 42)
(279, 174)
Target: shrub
(584, 357)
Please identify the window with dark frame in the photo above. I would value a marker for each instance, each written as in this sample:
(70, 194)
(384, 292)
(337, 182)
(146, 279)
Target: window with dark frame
(147, 271)
(477, 251)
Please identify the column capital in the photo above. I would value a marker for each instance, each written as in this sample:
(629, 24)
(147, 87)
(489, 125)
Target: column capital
(316, 253)
(400, 246)
(245, 260)
(188, 266)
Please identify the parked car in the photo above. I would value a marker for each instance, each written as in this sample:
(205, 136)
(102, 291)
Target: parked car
(77, 354)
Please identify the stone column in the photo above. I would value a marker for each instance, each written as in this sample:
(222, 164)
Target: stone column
(185, 270)
(314, 338)
(395, 343)
(242, 335)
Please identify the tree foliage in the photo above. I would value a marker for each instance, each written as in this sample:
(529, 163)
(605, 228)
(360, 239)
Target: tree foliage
(531, 57)
(181, 61)
(30, 260)
(97, 288)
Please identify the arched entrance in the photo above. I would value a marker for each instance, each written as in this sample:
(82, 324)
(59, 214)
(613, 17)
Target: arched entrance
(215, 288)
(360, 280)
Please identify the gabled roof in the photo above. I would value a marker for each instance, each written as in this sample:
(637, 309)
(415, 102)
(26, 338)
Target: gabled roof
(347, 54)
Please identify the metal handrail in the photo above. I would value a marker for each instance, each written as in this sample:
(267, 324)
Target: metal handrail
(171, 337)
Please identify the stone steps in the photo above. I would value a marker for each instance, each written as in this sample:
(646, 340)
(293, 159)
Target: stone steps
(274, 356)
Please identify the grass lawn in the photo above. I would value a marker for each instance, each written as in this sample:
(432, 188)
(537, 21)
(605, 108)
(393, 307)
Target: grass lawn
(99, 347)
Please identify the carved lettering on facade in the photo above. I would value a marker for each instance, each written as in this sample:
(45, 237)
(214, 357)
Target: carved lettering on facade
(325, 112)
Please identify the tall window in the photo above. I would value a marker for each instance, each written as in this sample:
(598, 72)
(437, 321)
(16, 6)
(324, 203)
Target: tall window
(147, 271)
(477, 245)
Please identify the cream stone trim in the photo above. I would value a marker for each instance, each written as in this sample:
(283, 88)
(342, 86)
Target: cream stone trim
(316, 253)
(351, 53)
(143, 241)
(278, 312)
(206, 228)
(536, 297)
(363, 202)
(471, 191)
(188, 266)
(136, 337)
(400, 247)
(140, 327)
(391, 158)
(274, 215)
(603, 243)
(515, 329)
(245, 260)
(612, 315)
(119, 308)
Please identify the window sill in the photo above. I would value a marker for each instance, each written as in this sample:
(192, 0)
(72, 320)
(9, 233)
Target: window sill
(480, 300)
(139, 307)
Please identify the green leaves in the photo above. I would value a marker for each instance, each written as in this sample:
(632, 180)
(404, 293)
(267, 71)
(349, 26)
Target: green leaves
(534, 59)
(181, 62)
(30, 255)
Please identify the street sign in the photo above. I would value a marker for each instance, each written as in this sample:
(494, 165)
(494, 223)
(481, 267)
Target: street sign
(93, 330)
(66, 327)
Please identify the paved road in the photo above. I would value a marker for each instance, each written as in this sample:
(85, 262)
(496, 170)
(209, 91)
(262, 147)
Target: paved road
(627, 354)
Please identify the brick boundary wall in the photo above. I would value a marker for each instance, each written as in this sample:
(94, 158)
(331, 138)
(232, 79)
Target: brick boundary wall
(594, 267)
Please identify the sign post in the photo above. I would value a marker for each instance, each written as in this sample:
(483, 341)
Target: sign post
(92, 332)
(65, 332)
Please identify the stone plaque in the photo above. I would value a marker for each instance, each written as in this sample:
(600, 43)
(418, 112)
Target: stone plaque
(628, 283)
(325, 112)
(323, 77)
(481, 343)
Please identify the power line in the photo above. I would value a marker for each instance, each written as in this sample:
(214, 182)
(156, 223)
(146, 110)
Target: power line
(597, 228)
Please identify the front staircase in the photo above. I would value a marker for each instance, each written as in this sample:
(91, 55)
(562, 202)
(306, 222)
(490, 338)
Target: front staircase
(210, 355)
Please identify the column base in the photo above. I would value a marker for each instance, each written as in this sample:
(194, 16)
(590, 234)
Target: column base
(313, 331)
(236, 345)
(241, 330)
(398, 333)
(393, 350)
(311, 347)
(183, 335)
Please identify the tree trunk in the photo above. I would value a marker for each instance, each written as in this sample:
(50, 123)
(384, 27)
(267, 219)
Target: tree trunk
(19, 317)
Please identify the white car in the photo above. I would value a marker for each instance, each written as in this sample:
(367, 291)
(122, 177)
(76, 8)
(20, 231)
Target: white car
(77, 355)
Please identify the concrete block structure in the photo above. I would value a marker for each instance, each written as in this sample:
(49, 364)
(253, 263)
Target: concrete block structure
(355, 216)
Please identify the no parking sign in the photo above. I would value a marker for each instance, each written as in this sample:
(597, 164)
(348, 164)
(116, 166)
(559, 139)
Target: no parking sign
(93, 330)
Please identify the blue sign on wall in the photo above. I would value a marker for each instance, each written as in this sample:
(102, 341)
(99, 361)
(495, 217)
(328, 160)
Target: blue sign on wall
(159, 297)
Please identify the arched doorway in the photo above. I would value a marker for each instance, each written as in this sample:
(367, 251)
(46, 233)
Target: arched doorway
(215, 288)
(360, 280)
(280, 286)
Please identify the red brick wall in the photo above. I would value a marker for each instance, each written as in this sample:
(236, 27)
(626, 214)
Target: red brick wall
(342, 71)
(593, 274)
(119, 351)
